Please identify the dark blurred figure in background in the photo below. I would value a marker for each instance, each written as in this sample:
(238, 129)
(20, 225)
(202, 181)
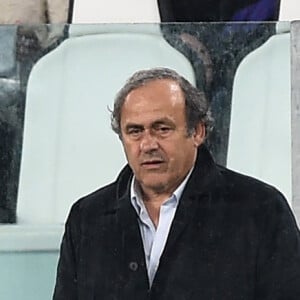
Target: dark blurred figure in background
(24, 38)
(217, 49)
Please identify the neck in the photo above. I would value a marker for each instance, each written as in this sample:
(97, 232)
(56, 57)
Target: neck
(153, 201)
(150, 195)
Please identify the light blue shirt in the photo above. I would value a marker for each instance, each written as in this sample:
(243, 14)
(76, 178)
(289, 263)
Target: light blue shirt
(154, 239)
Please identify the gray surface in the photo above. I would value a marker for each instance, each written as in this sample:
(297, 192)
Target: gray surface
(7, 50)
(295, 42)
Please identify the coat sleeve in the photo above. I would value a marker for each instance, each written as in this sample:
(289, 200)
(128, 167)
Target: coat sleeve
(278, 263)
(66, 277)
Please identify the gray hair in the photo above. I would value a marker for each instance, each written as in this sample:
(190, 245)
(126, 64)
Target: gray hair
(196, 105)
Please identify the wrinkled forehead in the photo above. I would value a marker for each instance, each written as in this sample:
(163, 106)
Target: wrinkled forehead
(155, 92)
(158, 100)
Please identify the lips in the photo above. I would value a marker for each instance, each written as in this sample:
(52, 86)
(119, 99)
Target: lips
(153, 163)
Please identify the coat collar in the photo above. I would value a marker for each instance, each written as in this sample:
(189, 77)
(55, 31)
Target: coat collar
(203, 176)
(203, 182)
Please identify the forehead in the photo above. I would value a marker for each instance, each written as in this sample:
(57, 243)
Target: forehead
(155, 93)
(156, 100)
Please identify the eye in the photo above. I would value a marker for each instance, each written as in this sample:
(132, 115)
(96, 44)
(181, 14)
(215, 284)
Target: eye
(134, 132)
(164, 130)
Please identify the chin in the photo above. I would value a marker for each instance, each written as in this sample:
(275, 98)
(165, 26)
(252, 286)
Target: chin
(158, 186)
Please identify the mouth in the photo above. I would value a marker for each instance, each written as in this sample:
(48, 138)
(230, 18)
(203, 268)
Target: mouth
(152, 164)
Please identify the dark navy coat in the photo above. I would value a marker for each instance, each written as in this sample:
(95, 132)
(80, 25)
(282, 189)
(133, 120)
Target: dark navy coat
(232, 237)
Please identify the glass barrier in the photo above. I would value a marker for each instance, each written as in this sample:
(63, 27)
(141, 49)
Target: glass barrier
(295, 115)
(57, 83)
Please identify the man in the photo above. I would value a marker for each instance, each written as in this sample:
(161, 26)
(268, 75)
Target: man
(174, 225)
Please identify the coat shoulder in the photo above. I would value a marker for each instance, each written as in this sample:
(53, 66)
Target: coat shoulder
(101, 201)
(241, 186)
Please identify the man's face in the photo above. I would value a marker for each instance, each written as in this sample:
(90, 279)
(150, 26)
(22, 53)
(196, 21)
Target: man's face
(154, 136)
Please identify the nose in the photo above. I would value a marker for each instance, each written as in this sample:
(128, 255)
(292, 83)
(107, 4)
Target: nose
(148, 142)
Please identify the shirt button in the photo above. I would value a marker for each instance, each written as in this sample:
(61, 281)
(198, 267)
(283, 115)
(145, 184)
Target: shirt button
(133, 265)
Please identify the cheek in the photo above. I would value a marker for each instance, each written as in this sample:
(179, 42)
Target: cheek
(182, 156)
(176, 158)
(131, 152)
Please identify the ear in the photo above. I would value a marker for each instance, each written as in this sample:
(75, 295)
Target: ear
(199, 134)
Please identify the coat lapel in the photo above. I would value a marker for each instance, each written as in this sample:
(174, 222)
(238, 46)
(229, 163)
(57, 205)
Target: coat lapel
(199, 188)
(131, 243)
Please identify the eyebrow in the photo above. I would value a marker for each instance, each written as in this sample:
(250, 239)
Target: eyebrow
(163, 121)
(133, 125)
(155, 123)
